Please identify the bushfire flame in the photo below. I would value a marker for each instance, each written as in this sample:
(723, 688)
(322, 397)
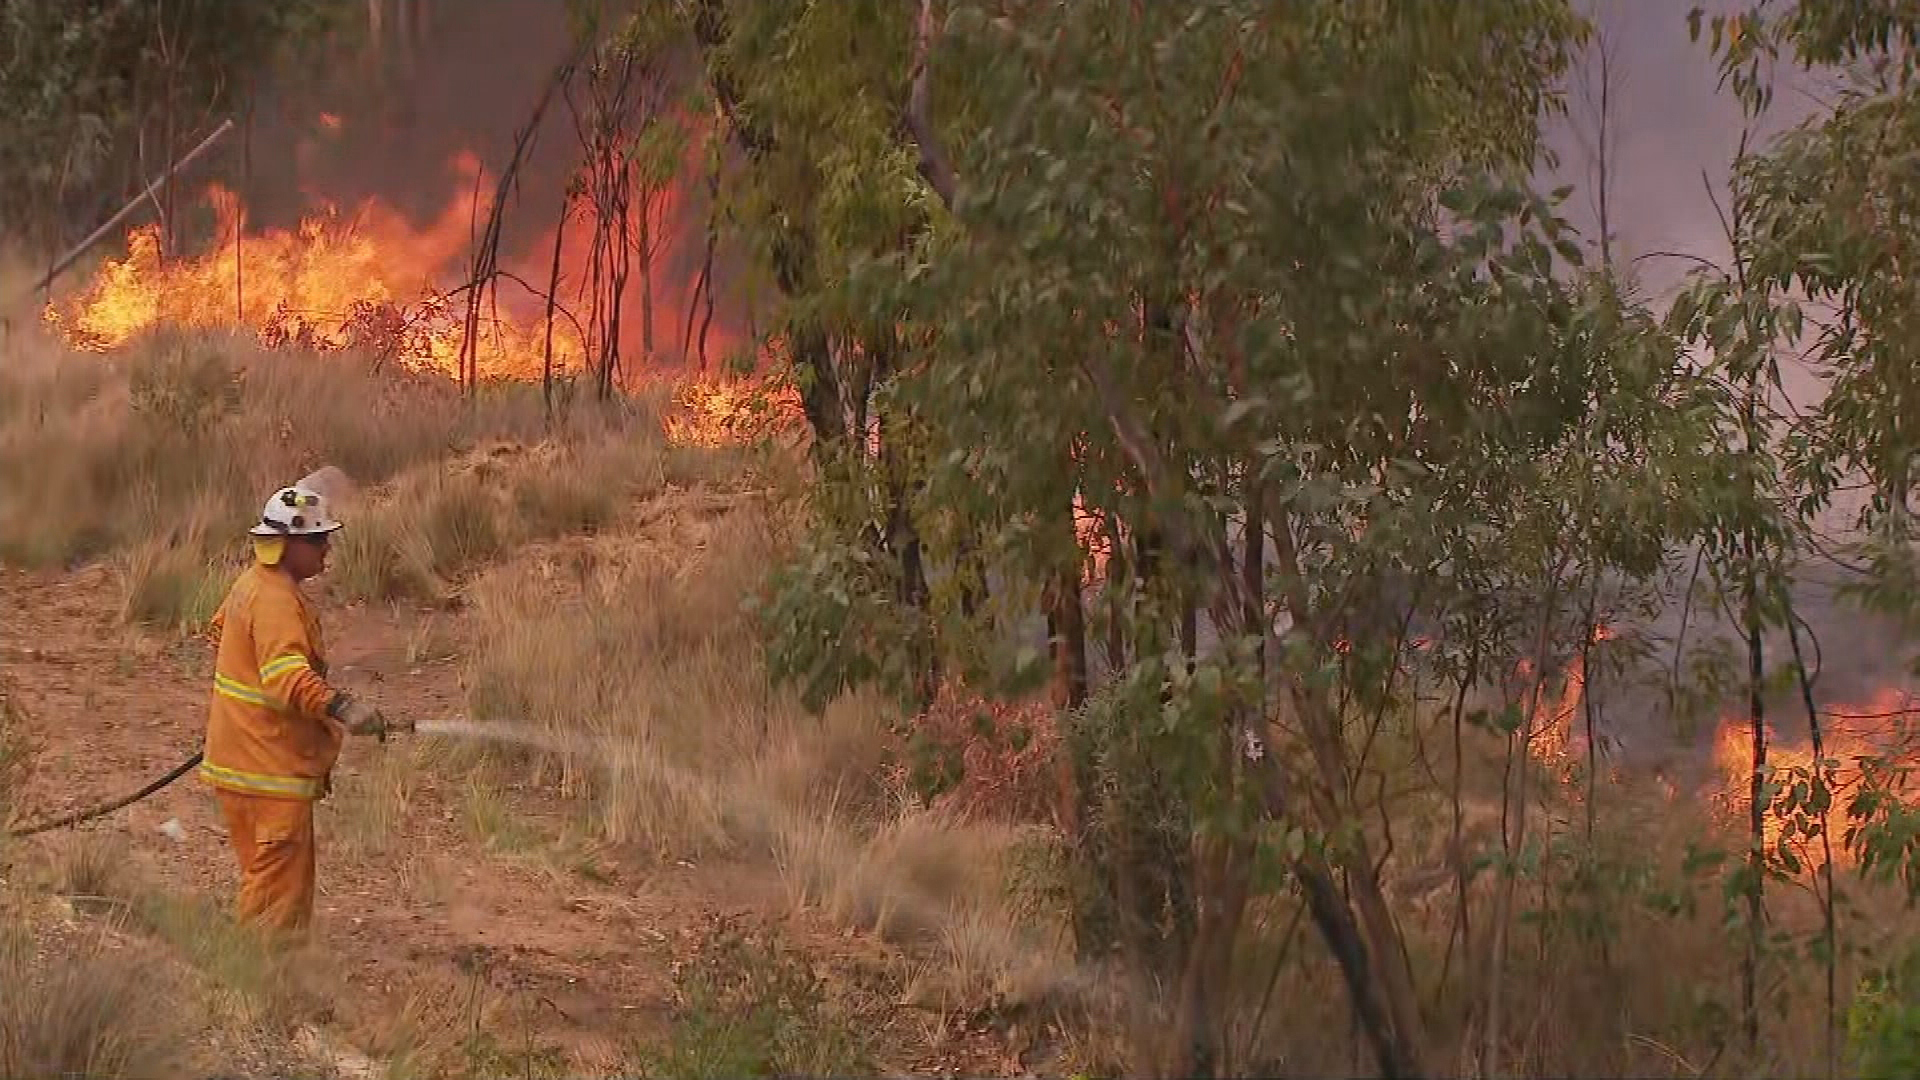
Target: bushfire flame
(370, 279)
(336, 281)
(1849, 734)
(1876, 729)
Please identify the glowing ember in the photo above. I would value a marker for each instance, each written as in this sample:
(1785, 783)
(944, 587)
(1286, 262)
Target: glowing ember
(1552, 741)
(1090, 529)
(727, 411)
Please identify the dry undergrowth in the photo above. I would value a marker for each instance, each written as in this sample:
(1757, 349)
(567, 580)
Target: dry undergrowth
(157, 456)
(606, 570)
(631, 670)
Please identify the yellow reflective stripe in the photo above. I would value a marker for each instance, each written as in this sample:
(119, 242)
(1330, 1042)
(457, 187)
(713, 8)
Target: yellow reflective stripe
(280, 665)
(260, 783)
(240, 691)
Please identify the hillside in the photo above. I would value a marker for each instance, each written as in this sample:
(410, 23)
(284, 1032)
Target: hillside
(484, 908)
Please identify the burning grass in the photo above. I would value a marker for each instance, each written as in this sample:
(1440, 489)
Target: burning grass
(360, 280)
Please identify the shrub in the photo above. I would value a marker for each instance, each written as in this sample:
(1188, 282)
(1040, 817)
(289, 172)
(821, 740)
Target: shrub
(750, 1007)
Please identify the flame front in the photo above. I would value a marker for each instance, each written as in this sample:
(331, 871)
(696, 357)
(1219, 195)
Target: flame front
(1850, 735)
(334, 281)
(372, 280)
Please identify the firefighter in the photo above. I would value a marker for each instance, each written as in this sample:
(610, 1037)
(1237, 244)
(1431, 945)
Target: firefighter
(275, 725)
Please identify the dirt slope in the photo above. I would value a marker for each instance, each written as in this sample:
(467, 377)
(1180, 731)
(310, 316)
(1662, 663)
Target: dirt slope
(429, 930)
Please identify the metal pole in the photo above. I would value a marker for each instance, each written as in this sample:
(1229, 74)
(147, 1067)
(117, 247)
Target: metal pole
(95, 237)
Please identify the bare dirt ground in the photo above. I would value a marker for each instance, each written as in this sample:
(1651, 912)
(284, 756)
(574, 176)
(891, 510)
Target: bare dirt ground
(426, 928)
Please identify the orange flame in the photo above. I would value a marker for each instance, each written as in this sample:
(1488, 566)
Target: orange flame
(1849, 734)
(371, 279)
(332, 282)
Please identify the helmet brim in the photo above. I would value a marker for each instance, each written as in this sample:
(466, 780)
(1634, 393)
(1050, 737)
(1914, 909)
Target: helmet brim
(264, 530)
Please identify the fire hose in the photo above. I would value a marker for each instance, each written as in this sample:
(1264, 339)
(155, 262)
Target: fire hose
(104, 809)
(173, 774)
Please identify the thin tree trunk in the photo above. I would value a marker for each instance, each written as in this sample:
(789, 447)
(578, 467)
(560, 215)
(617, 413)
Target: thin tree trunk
(1830, 925)
(1589, 707)
(1067, 691)
(1462, 929)
(1400, 1044)
(1516, 806)
(553, 295)
(706, 264)
(647, 199)
(1756, 813)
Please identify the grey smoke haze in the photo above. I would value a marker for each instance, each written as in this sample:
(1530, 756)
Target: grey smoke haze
(469, 92)
(1674, 134)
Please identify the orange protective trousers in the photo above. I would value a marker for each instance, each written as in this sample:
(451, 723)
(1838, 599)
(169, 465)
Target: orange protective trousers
(273, 839)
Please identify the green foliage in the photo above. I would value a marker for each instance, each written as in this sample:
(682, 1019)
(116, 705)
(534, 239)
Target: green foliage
(750, 1007)
(832, 621)
(1207, 265)
(1883, 1022)
(1882, 829)
(84, 81)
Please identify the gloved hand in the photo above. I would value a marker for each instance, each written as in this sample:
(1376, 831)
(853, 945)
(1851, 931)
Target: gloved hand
(360, 718)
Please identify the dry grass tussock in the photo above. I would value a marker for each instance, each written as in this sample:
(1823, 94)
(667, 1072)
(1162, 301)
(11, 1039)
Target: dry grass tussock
(159, 454)
(415, 537)
(15, 752)
(632, 674)
(70, 1010)
(67, 1007)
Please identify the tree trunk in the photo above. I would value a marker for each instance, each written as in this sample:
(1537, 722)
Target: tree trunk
(1223, 872)
(647, 199)
(819, 389)
(1384, 998)
(1756, 813)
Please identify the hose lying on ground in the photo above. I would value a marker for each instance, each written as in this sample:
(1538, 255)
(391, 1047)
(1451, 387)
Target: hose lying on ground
(104, 809)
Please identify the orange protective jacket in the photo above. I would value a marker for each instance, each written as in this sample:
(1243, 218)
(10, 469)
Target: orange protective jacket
(268, 732)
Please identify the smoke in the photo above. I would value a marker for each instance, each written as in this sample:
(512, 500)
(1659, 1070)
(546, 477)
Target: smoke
(330, 482)
(406, 124)
(405, 115)
(1673, 135)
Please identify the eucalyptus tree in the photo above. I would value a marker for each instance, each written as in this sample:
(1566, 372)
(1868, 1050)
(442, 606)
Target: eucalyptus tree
(1260, 296)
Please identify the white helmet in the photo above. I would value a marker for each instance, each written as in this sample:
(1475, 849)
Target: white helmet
(296, 511)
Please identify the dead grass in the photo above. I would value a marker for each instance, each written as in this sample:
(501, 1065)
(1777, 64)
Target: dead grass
(98, 453)
(67, 1006)
(248, 978)
(71, 1008)
(632, 666)
(416, 538)
(158, 455)
(410, 544)
(16, 755)
(748, 1005)
(374, 803)
(465, 1029)
(631, 655)
(251, 980)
